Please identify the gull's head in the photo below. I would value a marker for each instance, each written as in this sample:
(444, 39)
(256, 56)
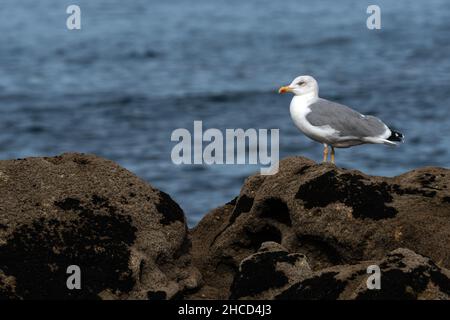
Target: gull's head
(301, 85)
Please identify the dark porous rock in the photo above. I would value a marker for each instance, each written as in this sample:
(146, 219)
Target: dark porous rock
(404, 275)
(331, 215)
(267, 272)
(129, 239)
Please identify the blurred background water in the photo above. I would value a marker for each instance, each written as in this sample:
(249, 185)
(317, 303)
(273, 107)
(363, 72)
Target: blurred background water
(138, 70)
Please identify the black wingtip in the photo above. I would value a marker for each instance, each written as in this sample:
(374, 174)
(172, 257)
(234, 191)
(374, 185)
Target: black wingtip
(396, 136)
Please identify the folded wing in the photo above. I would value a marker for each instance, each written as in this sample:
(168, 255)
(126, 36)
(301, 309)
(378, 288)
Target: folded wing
(347, 122)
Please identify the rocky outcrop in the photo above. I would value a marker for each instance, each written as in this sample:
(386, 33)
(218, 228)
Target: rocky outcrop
(308, 232)
(330, 215)
(129, 239)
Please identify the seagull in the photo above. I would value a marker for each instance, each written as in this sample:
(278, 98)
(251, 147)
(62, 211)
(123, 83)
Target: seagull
(333, 124)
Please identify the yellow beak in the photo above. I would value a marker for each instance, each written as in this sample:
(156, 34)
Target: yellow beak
(284, 89)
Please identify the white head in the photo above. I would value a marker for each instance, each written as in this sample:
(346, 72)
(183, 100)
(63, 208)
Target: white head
(302, 85)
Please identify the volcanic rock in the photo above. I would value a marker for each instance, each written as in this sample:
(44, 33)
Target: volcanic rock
(332, 216)
(129, 239)
(405, 275)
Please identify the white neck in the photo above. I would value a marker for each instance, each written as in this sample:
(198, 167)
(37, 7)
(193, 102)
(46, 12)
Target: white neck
(306, 99)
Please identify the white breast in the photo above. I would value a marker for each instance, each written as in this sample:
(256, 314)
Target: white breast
(299, 109)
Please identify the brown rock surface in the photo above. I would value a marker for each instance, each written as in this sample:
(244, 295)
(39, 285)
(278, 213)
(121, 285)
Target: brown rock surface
(333, 216)
(266, 273)
(275, 274)
(308, 232)
(404, 275)
(129, 239)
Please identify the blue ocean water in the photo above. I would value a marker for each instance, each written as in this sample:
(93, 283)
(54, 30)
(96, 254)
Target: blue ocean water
(138, 70)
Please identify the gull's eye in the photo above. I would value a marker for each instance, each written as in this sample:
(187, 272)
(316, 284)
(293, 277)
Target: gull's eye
(301, 83)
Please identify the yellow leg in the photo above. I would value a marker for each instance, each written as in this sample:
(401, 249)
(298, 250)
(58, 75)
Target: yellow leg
(332, 154)
(325, 153)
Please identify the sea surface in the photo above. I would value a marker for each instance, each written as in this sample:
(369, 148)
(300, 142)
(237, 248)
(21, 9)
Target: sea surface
(137, 70)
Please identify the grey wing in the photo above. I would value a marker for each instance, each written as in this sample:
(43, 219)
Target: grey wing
(348, 122)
